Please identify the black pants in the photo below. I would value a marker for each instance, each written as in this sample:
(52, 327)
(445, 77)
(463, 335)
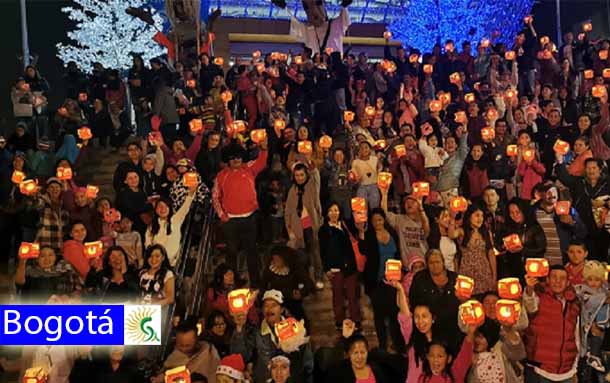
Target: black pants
(383, 300)
(240, 234)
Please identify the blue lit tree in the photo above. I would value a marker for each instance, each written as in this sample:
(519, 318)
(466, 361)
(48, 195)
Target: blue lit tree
(426, 22)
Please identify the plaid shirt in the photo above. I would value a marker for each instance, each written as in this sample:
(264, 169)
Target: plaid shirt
(53, 224)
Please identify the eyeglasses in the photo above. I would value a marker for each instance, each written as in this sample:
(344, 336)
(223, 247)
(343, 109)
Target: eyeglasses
(222, 324)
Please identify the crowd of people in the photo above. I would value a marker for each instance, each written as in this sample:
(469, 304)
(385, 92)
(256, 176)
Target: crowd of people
(328, 169)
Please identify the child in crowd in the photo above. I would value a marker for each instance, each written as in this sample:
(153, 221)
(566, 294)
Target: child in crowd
(434, 155)
(439, 366)
(131, 242)
(577, 254)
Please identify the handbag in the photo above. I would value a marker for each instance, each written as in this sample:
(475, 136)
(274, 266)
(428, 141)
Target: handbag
(360, 258)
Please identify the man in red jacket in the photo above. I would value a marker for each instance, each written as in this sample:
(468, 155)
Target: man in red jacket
(551, 339)
(235, 201)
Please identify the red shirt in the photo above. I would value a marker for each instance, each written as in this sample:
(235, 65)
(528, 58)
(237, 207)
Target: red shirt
(575, 274)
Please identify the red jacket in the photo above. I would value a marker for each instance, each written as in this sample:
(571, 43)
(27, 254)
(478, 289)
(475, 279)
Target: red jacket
(234, 191)
(550, 339)
(531, 174)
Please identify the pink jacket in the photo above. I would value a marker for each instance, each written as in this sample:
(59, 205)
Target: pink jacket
(406, 328)
(74, 254)
(531, 174)
(172, 157)
(459, 368)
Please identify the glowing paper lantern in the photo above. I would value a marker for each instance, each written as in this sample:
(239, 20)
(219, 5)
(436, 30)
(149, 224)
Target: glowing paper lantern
(279, 124)
(544, 40)
(179, 374)
(485, 43)
(508, 311)
(606, 73)
(326, 142)
(589, 74)
(358, 204)
(393, 269)
(298, 60)
(328, 50)
(529, 155)
(469, 98)
(512, 150)
(384, 180)
(421, 189)
(488, 133)
(239, 301)
(92, 191)
(369, 111)
(190, 179)
(219, 61)
(93, 249)
(256, 55)
(305, 147)
(512, 242)
(413, 58)
(455, 78)
(191, 83)
(598, 91)
(460, 117)
(35, 375)
(286, 329)
(509, 288)
(239, 126)
(260, 67)
(28, 187)
(563, 207)
(449, 47)
(464, 286)
(380, 144)
(587, 27)
(112, 215)
(436, 106)
(603, 54)
(17, 177)
(428, 68)
(536, 267)
(458, 204)
(84, 133)
(64, 174)
(348, 116)
(196, 125)
(29, 250)
(400, 151)
(561, 147)
(512, 93)
(258, 135)
(226, 96)
(472, 313)
(509, 55)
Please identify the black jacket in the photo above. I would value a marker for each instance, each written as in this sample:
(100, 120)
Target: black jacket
(336, 249)
(343, 373)
(369, 247)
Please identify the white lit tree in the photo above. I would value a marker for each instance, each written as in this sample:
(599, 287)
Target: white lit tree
(105, 33)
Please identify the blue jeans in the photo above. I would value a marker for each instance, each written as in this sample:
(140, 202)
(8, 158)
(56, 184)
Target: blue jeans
(371, 194)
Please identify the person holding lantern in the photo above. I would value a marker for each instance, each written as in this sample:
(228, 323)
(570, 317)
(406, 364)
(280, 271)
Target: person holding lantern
(449, 173)
(365, 169)
(552, 351)
(54, 218)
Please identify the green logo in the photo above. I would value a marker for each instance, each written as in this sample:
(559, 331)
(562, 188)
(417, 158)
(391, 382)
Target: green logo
(138, 326)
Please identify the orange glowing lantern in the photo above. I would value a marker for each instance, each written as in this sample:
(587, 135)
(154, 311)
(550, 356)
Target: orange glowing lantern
(17, 177)
(509, 55)
(603, 54)
(219, 61)
(536, 267)
(196, 125)
(544, 40)
(589, 74)
(458, 204)
(348, 116)
(286, 329)
(469, 98)
(508, 311)
(513, 242)
(298, 60)
(279, 124)
(179, 374)
(384, 180)
(606, 73)
(512, 150)
(260, 67)
(305, 147)
(512, 93)
(464, 286)
(64, 174)
(528, 19)
(328, 50)
(421, 189)
(35, 375)
(413, 58)
(485, 43)
(380, 144)
(191, 83)
(529, 155)
(449, 47)
(445, 98)
(226, 96)
(488, 133)
(326, 142)
(112, 216)
(92, 191)
(190, 179)
(436, 106)
(387, 35)
(283, 57)
(426, 129)
(93, 249)
(84, 133)
(275, 55)
(561, 147)
(472, 313)
(428, 68)
(369, 111)
(82, 97)
(358, 204)
(509, 288)
(400, 151)
(563, 207)
(28, 187)
(393, 270)
(258, 135)
(29, 250)
(239, 126)
(256, 55)
(598, 91)
(239, 301)
(587, 27)
(455, 78)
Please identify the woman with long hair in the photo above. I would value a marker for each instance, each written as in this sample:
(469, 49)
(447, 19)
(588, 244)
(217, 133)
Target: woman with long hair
(157, 280)
(113, 282)
(217, 294)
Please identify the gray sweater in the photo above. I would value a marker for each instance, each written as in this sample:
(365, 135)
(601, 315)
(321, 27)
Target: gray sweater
(449, 176)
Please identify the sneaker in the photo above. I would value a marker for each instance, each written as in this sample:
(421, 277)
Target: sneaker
(595, 362)
(320, 285)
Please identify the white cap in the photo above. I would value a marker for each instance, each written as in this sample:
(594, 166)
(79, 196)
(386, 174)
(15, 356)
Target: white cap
(276, 295)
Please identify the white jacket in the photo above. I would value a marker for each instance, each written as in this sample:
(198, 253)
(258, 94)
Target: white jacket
(434, 157)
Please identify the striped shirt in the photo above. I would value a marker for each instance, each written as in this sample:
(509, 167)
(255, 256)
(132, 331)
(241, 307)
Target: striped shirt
(553, 248)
